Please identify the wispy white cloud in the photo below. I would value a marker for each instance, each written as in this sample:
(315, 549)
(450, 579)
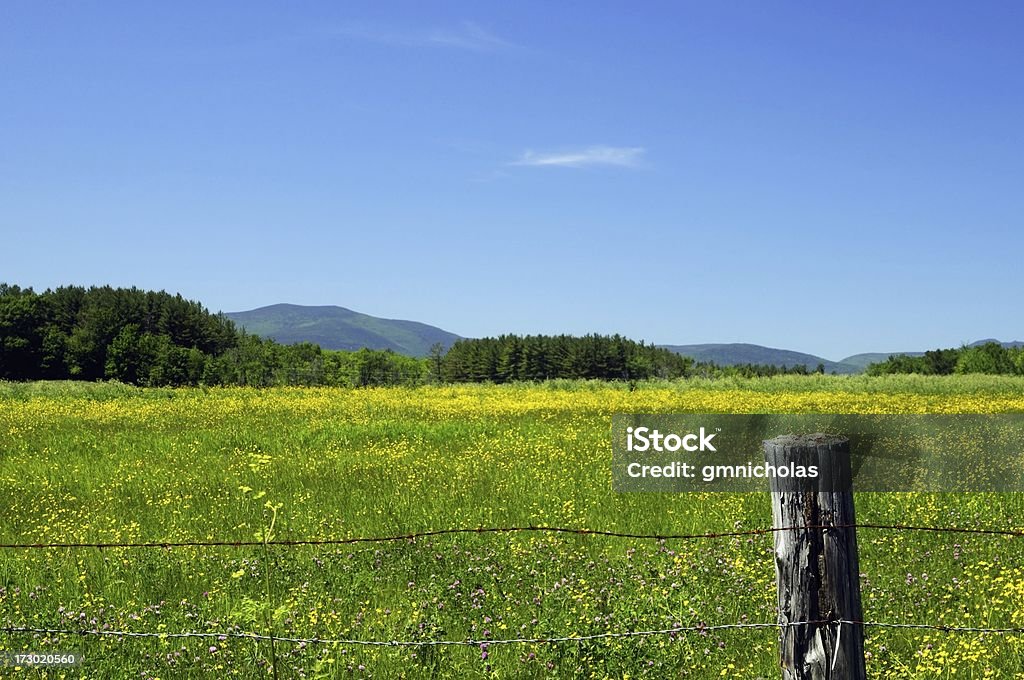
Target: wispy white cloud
(621, 156)
(468, 35)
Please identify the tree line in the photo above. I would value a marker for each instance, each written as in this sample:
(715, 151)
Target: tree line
(154, 339)
(514, 358)
(991, 358)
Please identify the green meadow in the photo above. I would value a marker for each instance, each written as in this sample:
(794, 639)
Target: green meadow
(111, 464)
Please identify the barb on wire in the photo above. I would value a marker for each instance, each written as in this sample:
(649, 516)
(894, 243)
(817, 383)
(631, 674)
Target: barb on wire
(486, 530)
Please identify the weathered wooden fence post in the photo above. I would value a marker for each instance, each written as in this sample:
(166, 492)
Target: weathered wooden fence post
(817, 571)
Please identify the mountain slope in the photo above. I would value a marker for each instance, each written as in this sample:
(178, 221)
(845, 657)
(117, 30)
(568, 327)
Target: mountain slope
(1012, 343)
(744, 353)
(861, 361)
(334, 327)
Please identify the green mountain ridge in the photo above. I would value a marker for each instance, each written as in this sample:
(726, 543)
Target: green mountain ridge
(1013, 343)
(861, 361)
(729, 354)
(334, 327)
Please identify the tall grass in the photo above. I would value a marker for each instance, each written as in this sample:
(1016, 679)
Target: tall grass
(111, 463)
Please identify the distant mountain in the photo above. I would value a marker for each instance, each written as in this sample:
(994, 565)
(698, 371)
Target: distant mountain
(1012, 343)
(860, 361)
(334, 327)
(743, 353)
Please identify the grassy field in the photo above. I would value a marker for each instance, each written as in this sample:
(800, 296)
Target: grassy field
(109, 463)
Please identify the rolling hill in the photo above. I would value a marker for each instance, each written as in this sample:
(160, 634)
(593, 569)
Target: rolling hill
(860, 361)
(1012, 343)
(744, 353)
(334, 327)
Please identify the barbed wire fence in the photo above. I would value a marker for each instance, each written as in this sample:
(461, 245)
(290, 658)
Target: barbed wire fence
(415, 535)
(701, 629)
(476, 643)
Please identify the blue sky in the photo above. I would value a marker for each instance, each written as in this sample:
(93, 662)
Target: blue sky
(825, 177)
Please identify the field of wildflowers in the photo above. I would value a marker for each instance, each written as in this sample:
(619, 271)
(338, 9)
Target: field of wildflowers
(109, 463)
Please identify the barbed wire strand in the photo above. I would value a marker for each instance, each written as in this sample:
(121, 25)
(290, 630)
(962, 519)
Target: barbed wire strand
(484, 530)
(405, 643)
(930, 626)
(701, 629)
